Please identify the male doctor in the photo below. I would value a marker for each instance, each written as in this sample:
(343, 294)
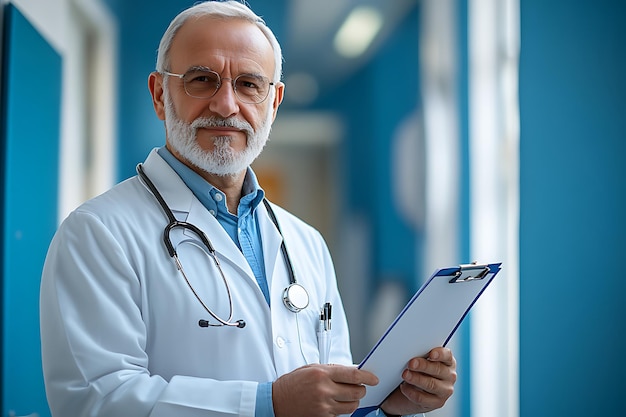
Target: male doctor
(139, 319)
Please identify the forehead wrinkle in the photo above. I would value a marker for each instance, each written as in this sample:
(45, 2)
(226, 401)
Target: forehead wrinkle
(226, 44)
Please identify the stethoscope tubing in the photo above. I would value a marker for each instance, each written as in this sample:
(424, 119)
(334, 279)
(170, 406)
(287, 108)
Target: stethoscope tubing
(174, 223)
(295, 296)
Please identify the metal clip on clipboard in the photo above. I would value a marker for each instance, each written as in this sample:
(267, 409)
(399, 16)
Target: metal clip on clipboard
(470, 272)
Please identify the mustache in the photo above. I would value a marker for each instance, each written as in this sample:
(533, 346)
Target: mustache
(212, 121)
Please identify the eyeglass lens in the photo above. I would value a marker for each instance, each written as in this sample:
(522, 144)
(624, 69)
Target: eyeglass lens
(249, 88)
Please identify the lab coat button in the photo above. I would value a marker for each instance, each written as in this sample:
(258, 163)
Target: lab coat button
(280, 342)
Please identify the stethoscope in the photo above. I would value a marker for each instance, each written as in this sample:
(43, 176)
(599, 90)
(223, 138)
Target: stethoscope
(295, 296)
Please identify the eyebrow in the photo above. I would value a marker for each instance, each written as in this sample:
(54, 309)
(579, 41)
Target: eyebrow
(198, 68)
(204, 68)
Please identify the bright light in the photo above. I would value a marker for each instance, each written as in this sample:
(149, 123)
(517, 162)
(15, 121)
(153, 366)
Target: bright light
(358, 31)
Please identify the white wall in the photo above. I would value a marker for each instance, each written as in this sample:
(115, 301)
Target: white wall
(87, 155)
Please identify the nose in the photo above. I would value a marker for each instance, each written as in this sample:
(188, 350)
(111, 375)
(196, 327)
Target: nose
(224, 102)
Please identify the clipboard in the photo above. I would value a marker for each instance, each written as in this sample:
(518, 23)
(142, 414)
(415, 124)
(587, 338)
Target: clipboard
(429, 319)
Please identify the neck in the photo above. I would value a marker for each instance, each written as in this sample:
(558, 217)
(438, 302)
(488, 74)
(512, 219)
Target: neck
(231, 186)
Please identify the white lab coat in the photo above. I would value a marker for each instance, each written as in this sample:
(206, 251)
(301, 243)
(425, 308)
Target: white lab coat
(119, 326)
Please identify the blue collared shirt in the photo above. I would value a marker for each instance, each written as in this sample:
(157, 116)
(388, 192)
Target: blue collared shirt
(243, 229)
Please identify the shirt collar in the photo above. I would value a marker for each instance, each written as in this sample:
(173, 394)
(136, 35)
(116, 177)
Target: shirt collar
(253, 194)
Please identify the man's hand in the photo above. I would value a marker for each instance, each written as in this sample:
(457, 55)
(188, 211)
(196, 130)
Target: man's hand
(320, 390)
(428, 383)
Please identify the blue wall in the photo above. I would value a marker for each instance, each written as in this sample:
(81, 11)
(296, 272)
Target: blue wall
(464, 368)
(29, 141)
(573, 208)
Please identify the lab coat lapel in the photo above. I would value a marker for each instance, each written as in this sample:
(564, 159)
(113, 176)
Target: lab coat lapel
(271, 240)
(188, 208)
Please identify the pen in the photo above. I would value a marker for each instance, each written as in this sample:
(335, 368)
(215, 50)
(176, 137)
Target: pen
(323, 333)
(327, 313)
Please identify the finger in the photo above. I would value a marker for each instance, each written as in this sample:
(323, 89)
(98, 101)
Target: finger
(349, 392)
(442, 354)
(344, 407)
(429, 384)
(427, 401)
(440, 370)
(351, 375)
(431, 369)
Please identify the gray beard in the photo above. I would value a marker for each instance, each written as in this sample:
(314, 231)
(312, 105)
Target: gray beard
(223, 160)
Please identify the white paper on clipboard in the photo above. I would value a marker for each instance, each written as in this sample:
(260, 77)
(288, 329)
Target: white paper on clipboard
(428, 320)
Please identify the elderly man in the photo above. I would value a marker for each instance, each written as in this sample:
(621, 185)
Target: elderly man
(182, 291)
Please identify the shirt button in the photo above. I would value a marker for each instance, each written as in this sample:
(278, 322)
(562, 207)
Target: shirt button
(212, 212)
(280, 342)
(218, 197)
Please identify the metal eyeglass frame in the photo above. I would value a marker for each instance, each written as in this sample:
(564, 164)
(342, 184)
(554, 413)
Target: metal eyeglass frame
(220, 79)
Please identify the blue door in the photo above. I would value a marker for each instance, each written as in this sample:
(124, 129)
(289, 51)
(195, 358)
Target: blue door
(29, 141)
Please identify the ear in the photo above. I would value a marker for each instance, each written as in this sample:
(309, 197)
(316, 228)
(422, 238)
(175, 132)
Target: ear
(155, 85)
(278, 98)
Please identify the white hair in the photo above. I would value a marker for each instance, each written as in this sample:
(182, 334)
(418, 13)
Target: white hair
(219, 10)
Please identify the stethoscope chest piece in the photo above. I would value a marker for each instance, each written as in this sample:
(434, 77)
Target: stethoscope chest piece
(295, 298)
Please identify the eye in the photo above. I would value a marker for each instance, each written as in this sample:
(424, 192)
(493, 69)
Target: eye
(201, 83)
(202, 77)
(250, 82)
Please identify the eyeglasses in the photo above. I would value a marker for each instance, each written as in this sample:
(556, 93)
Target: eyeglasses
(204, 83)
